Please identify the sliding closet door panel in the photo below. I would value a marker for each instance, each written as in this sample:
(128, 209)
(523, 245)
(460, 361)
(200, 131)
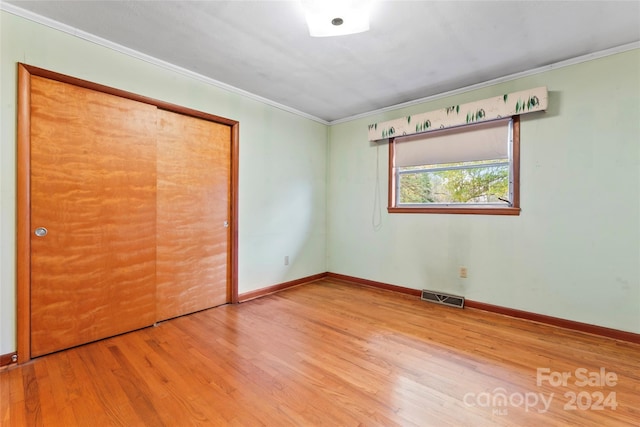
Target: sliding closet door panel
(93, 215)
(193, 210)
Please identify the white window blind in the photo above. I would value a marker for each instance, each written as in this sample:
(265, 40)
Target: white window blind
(482, 141)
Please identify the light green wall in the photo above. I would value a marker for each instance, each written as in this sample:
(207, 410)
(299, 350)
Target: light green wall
(573, 253)
(282, 157)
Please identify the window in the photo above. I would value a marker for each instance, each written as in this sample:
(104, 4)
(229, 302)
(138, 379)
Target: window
(471, 169)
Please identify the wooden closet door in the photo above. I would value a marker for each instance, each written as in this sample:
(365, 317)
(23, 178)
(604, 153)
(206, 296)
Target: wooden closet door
(193, 207)
(93, 187)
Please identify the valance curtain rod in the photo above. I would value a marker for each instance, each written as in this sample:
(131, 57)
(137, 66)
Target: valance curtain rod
(507, 105)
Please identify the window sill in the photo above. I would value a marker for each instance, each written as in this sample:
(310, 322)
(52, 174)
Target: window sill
(457, 211)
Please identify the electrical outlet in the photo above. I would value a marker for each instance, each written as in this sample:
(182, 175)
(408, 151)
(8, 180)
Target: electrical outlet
(463, 272)
(286, 260)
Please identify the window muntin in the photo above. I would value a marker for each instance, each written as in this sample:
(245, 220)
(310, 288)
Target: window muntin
(469, 169)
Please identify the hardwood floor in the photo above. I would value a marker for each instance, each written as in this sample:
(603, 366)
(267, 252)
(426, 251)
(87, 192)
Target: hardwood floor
(333, 354)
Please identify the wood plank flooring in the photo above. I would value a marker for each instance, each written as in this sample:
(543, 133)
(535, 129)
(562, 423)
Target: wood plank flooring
(332, 354)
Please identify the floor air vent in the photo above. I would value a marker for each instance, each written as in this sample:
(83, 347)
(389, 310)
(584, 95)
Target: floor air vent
(445, 299)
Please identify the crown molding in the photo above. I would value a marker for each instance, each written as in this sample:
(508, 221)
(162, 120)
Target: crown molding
(510, 77)
(14, 10)
(22, 13)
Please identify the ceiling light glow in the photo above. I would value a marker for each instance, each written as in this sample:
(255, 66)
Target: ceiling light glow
(326, 18)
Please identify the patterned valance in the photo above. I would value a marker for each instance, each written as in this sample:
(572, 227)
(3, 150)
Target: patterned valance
(507, 105)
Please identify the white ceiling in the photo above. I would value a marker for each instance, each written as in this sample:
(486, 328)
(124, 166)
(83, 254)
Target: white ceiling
(414, 49)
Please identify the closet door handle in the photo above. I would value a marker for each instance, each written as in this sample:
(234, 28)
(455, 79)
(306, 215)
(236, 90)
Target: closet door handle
(40, 231)
(226, 224)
